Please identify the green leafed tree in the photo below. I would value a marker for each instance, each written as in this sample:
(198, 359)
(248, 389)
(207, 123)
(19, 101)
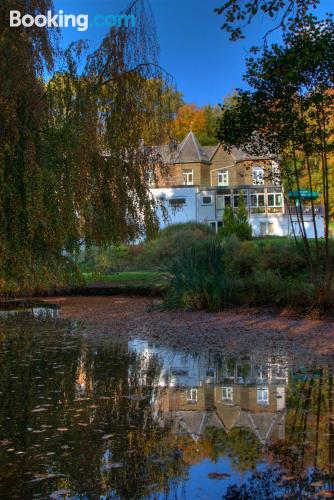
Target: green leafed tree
(289, 111)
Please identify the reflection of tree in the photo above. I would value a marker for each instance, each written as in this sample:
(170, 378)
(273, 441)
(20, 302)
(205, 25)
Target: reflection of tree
(306, 455)
(100, 440)
(239, 443)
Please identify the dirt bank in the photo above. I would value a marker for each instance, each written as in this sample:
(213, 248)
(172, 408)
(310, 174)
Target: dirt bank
(235, 331)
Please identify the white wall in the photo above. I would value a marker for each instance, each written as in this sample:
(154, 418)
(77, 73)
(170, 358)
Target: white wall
(283, 225)
(185, 214)
(206, 212)
(309, 227)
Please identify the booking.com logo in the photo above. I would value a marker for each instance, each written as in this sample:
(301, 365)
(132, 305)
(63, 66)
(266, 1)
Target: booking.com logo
(61, 20)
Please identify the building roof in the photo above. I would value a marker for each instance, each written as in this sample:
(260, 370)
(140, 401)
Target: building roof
(190, 151)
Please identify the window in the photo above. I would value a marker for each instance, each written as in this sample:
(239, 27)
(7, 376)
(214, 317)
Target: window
(227, 394)
(258, 177)
(179, 372)
(223, 178)
(188, 177)
(223, 201)
(236, 200)
(177, 202)
(207, 200)
(274, 199)
(257, 201)
(263, 396)
(192, 395)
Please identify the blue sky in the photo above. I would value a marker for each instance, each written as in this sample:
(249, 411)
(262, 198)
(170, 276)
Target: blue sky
(205, 64)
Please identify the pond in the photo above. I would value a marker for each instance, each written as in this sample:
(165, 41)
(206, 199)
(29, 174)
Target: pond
(95, 416)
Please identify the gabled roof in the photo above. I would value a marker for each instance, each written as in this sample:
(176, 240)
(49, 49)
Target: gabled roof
(211, 150)
(194, 422)
(190, 151)
(229, 415)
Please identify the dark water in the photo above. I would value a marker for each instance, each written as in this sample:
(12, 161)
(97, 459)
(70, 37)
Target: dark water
(91, 417)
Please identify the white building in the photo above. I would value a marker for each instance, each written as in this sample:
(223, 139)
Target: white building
(201, 181)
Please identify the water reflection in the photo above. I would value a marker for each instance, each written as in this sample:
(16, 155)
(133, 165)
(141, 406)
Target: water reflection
(84, 416)
(204, 391)
(32, 308)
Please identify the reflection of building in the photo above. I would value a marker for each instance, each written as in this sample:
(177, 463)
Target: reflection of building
(198, 392)
(253, 395)
(41, 310)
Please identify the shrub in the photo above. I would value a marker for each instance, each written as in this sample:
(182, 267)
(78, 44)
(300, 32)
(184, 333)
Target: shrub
(204, 229)
(170, 244)
(201, 279)
(214, 274)
(280, 255)
(236, 222)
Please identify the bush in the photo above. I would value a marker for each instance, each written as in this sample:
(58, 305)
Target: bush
(214, 274)
(201, 279)
(195, 227)
(280, 255)
(236, 222)
(173, 241)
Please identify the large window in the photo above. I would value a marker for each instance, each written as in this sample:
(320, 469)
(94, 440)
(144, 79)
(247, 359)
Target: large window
(257, 201)
(258, 176)
(263, 396)
(188, 177)
(227, 394)
(192, 395)
(223, 201)
(275, 200)
(177, 202)
(236, 197)
(207, 200)
(223, 178)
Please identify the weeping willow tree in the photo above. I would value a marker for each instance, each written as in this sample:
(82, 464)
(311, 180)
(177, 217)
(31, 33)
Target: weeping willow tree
(73, 160)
